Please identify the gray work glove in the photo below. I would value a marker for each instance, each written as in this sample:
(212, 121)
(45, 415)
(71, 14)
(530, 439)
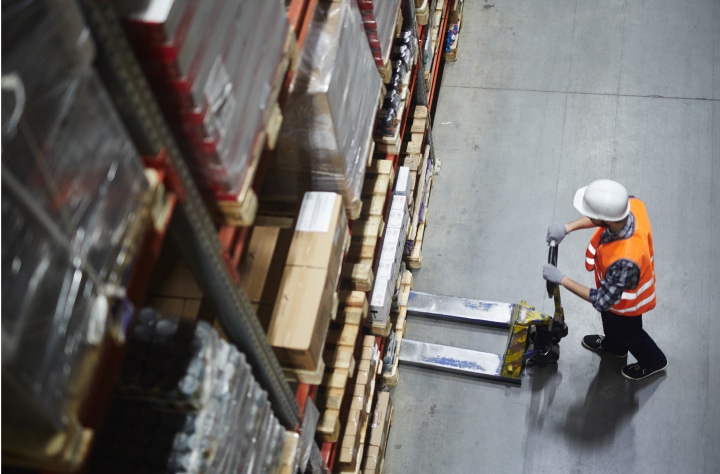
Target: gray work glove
(556, 232)
(552, 274)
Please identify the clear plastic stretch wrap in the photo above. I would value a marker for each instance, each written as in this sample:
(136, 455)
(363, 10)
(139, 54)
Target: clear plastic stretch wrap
(386, 13)
(379, 18)
(73, 189)
(64, 142)
(52, 314)
(212, 66)
(326, 134)
(46, 43)
(186, 402)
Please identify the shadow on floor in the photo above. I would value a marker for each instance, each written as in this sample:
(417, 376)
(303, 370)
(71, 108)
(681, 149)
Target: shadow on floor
(610, 403)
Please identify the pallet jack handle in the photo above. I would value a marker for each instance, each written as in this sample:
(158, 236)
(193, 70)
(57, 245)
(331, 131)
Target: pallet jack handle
(552, 259)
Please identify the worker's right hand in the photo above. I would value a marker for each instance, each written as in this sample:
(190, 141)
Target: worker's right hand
(556, 232)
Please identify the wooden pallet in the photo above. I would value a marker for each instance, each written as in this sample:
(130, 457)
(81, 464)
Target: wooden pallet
(456, 16)
(63, 452)
(382, 330)
(340, 361)
(398, 315)
(290, 453)
(358, 275)
(310, 377)
(355, 419)
(421, 184)
(414, 260)
(422, 12)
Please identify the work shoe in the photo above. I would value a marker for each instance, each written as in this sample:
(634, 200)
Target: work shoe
(635, 372)
(594, 343)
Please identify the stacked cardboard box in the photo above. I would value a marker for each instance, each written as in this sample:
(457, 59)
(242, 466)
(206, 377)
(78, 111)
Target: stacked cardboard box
(326, 135)
(392, 252)
(306, 298)
(379, 431)
(196, 56)
(262, 267)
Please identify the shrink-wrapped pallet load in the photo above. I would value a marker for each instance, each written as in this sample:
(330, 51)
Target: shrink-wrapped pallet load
(73, 190)
(213, 66)
(326, 135)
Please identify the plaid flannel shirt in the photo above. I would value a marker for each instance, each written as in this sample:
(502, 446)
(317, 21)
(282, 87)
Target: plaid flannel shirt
(620, 276)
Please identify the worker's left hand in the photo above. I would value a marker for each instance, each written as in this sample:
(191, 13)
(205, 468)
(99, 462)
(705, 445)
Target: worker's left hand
(552, 274)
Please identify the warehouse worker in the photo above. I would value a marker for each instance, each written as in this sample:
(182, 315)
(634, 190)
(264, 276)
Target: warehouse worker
(620, 253)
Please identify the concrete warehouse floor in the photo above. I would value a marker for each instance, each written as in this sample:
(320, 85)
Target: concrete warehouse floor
(544, 98)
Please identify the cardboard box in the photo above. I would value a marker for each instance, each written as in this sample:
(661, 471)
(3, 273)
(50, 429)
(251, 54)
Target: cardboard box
(373, 458)
(348, 449)
(301, 317)
(351, 439)
(403, 183)
(379, 431)
(262, 266)
(381, 300)
(320, 233)
(380, 420)
(399, 213)
(390, 261)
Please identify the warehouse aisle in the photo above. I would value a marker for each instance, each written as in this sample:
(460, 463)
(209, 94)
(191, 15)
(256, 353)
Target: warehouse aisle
(544, 98)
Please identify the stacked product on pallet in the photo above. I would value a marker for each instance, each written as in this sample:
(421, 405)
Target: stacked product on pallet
(212, 67)
(382, 418)
(391, 254)
(307, 300)
(453, 30)
(389, 119)
(186, 402)
(379, 19)
(73, 203)
(326, 135)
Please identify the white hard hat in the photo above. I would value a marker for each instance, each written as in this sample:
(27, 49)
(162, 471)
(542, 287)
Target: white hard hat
(603, 199)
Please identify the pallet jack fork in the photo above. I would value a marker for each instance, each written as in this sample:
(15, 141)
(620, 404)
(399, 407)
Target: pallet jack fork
(533, 336)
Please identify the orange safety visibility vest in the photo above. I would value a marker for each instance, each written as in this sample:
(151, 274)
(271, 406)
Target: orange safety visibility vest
(637, 248)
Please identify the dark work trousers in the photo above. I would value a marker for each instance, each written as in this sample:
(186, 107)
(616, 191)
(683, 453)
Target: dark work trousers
(626, 333)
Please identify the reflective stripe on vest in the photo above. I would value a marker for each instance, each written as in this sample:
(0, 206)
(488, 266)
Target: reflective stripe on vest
(637, 248)
(592, 249)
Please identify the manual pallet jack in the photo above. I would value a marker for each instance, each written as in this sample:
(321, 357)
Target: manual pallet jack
(533, 337)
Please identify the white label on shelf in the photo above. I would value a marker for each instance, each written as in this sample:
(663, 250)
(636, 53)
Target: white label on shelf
(316, 212)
